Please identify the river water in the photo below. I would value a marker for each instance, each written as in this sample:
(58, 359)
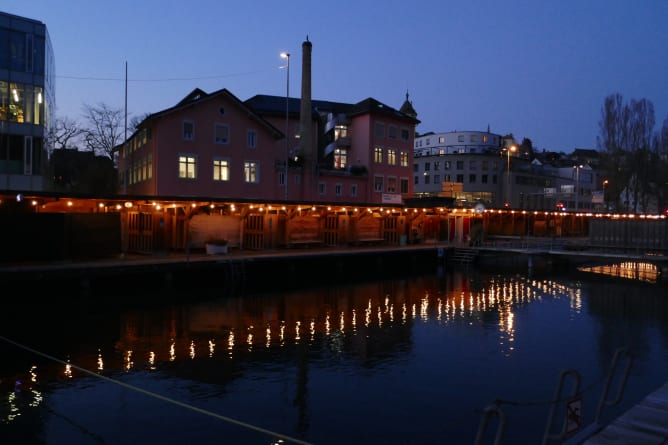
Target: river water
(405, 360)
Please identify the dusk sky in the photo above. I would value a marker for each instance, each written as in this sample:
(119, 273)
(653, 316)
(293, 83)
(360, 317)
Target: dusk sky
(536, 69)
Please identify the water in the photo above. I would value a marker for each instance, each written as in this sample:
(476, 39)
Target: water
(410, 360)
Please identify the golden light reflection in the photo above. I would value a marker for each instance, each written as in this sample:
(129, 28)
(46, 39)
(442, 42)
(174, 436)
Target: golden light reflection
(172, 351)
(230, 344)
(151, 360)
(634, 270)
(100, 362)
(68, 370)
(212, 348)
(127, 360)
(297, 331)
(267, 336)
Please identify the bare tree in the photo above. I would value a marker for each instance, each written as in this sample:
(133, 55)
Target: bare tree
(135, 121)
(105, 128)
(65, 133)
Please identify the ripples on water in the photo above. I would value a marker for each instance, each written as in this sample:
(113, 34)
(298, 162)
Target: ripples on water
(402, 361)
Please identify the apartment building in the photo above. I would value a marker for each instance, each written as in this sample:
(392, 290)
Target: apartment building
(27, 102)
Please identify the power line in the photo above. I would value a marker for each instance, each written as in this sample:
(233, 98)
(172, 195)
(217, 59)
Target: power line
(167, 79)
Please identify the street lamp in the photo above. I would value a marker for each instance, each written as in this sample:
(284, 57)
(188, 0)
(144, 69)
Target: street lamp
(605, 201)
(512, 148)
(577, 184)
(287, 119)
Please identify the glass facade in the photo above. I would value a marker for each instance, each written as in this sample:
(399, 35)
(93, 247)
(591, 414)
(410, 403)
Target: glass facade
(27, 99)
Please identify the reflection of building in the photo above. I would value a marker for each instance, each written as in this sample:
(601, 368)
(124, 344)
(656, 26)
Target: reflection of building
(27, 97)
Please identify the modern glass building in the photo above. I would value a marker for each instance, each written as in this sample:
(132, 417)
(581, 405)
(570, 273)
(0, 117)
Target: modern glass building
(27, 102)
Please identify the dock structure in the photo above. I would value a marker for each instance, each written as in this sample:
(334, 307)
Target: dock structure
(645, 423)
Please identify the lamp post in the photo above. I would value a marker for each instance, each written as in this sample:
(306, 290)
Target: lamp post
(577, 185)
(605, 201)
(286, 56)
(508, 191)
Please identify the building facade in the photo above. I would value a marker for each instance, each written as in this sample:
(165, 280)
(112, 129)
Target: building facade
(27, 101)
(272, 148)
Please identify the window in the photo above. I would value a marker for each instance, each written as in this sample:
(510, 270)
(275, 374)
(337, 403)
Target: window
(460, 138)
(251, 138)
(353, 190)
(378, 155)
(251, 173)
(378, 184)
(437, 179)
(485, 165)
(281, 178)
(404, 158)
(187, 167)
(322, 188)
(392, 132)
(441, 140)
(188, 131)
(474, 138)
(427, 166)
(221, 170)
(338, 189)
(447, 165)
(437, 164)
(403, 182)
(460, 178)
(460, 165)
(391, 184)
(340, 158)
(404, 135)
(416, 167)
(222, 134)
(392, 156)
(379, 129)
(484, 138)
(340, 131)
(472, 179)
(472, 165)
(484, 179)
(426, 179)
(416, 179)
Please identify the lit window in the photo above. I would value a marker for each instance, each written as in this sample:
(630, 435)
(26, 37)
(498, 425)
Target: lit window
(187, 167)
(391, 184)
(391, 156)
(404, 159)
(340, 158)
(378, 155)
(221, 170)
(251, 172)
(378, 184)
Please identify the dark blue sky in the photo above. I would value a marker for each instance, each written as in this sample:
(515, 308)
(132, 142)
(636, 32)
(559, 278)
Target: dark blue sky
(531, 68)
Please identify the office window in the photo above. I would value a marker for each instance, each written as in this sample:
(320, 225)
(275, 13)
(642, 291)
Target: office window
(378, 184)
(322, 188)
(404, 158)
(391, 184)
(403, 183)
(251, 172)
(338, 189)
(221, 170)
(188, 131)
(251, 138)
(187, 167)
(391, 156)
(353, 190)
(222, 134)
(378, 155)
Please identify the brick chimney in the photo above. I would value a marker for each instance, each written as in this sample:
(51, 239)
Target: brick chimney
(306, 146)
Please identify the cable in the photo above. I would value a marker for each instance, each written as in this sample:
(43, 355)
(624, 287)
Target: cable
(173, 79)
(157, 396)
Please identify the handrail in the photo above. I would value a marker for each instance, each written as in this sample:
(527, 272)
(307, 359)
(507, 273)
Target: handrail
(489, 411)
(557, 398)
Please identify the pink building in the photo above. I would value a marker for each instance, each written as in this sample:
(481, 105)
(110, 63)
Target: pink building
(214, 146)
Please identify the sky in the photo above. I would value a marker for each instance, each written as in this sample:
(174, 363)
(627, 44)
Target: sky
(536, 69)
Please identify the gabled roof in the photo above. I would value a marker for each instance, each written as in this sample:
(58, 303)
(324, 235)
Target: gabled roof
(275, 105)
(198, 96)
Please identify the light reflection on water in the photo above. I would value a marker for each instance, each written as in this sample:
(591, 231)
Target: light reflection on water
(398, 361)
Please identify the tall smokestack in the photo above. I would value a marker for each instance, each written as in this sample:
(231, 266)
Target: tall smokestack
(305, 123)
